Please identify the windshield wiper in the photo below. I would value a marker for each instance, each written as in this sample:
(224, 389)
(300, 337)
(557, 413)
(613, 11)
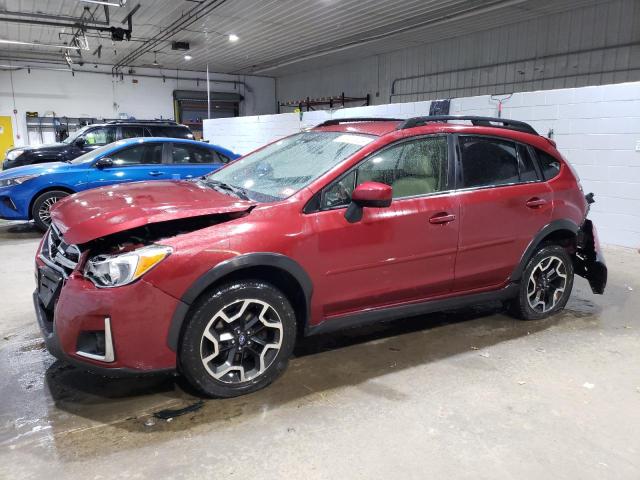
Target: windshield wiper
(225, 187)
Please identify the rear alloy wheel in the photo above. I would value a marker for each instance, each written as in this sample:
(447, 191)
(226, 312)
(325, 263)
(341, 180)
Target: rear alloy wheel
(41, 210)
(546, 284)
(238, 340)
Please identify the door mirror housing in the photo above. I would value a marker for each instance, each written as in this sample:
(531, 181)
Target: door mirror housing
(104, 162)
(368, 194)
(79, 142)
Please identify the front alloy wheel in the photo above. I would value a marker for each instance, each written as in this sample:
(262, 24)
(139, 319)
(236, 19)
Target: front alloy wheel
(238, 339)
(241, 341)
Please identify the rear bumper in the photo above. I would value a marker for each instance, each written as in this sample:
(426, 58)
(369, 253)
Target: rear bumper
(588, 260)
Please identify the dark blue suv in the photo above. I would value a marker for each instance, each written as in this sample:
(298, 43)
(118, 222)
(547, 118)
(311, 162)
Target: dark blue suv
(28, 192)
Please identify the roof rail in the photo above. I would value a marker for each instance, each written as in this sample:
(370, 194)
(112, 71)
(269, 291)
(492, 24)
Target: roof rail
(478, 121)
(160, 122)
(337, 121)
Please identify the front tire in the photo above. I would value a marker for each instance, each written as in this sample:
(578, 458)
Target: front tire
(546, 284)
(238, 339)
(40, 211)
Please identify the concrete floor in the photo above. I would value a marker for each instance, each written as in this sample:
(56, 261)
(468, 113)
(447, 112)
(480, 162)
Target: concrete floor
(466, 394)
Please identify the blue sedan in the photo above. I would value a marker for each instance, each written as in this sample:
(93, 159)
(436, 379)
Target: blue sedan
(28, 192)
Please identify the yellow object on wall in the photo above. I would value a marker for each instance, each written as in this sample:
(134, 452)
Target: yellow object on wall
(6, 136)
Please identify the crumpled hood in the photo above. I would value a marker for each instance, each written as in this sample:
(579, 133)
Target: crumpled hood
(37, 169)
(103, 211)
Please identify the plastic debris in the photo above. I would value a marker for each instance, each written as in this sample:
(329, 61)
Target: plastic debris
(172, 413)
(484, 354)
(588, 385)
(150, 422)
(522, 382)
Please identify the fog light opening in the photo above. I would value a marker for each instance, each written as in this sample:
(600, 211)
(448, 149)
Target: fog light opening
(97, 345)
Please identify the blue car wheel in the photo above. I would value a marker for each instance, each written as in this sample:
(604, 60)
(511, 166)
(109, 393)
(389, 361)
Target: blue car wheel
(41, 206)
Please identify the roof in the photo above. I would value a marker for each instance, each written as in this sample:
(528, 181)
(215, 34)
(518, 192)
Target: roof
(130, 141)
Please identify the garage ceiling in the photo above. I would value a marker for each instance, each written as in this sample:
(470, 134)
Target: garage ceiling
(275, 36)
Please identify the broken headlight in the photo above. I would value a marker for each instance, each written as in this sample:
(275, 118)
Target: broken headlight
(124, 268)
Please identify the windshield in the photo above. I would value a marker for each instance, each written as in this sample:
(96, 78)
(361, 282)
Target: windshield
(90, 156)
(284, 167)
(75, 135)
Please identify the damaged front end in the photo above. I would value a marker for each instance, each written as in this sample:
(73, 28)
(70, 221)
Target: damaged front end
(588, 261)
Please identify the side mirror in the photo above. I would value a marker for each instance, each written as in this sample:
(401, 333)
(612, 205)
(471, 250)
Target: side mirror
(79, 142)
(368, 194)
(104, 162)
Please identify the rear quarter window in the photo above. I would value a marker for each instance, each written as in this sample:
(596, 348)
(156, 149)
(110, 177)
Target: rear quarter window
(549, 165)
(172, 132)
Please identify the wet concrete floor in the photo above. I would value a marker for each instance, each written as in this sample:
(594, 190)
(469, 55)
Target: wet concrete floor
(463, 394)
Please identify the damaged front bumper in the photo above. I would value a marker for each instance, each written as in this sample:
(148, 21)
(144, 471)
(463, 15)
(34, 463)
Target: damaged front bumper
(588, 260)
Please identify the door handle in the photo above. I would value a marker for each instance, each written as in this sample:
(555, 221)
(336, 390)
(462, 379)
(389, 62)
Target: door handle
(155, 173)
(442, 218)
(536, 202)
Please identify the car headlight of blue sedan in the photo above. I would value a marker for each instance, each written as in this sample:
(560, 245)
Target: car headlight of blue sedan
(10, 182)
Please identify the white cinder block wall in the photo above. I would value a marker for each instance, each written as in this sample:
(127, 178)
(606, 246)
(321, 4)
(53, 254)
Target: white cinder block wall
(596, 128)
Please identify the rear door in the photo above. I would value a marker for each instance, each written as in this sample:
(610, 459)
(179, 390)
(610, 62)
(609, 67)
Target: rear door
(142, 161)
(503, 204)
(186, 160)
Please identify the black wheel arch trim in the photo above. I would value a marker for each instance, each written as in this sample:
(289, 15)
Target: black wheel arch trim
(544, 232)
(261, 259)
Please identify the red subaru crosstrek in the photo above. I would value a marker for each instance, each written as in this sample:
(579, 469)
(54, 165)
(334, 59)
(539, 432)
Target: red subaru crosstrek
(352, 222)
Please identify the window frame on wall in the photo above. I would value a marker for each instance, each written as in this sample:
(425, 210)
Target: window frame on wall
(316, 204)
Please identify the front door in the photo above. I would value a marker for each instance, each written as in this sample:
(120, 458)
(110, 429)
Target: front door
(503, 204)
(402, 253)
(131, 164)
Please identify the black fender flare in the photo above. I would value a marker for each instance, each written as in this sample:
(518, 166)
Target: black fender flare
(261, 259)
(554, 226)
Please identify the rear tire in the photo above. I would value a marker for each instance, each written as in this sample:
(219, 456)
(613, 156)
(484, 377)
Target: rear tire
(238, 339)
(545, 286)
(41, 206)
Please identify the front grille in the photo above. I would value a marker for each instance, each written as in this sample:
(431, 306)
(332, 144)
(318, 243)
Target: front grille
(62, 254)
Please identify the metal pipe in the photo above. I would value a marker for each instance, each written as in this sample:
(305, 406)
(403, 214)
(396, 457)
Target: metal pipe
(510, 62)
(65, 18)
(520, 82)
(208, 94)
(143, 75)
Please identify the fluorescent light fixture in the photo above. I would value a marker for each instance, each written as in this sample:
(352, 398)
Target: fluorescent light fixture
(34, 44)
(233, 37)
(121, 3)
(188, 57)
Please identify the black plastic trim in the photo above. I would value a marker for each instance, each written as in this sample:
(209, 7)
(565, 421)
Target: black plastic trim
(338, 121)
(554, 226)
(366, 317)
(505, 123)
(262, 259)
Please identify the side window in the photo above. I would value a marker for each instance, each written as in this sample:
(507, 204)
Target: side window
(191, 154)
(488, 162)
(132, 132)
(526, 166)
(143, 154)
(100, 136)
(223, 158)
(549, 165)
(417, 167)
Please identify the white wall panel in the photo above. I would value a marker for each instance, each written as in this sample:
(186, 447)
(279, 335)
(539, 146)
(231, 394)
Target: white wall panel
(597, 128)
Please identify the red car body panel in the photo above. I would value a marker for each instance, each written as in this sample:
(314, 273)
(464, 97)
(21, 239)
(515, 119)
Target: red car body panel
(467, 240)
(115, 208)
